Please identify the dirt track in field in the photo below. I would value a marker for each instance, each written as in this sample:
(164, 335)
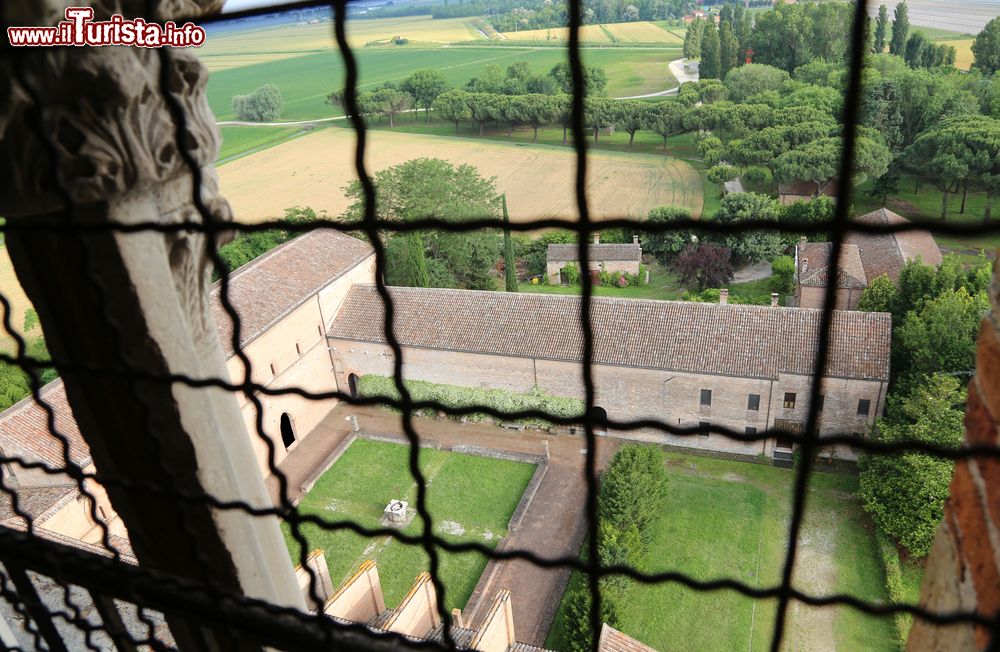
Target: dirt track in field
(11, 289)
(313, 171)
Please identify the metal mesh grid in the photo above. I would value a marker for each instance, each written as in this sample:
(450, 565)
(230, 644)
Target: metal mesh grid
(90, 583)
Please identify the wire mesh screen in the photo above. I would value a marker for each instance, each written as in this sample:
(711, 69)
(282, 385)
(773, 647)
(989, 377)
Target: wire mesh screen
(95, 596)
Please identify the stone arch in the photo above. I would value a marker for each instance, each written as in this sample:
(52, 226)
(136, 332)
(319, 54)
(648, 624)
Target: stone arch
(352, 384)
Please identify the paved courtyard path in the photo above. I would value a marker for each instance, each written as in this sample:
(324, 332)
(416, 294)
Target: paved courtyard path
(554, 525)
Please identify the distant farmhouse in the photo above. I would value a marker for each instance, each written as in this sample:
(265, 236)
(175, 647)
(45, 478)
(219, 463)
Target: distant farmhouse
(603, 257)
(863, 258)
(311, 318)
(789, 193)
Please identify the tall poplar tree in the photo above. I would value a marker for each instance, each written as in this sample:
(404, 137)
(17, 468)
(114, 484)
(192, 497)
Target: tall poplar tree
(881, 28)
(900, 29)
(711, 61)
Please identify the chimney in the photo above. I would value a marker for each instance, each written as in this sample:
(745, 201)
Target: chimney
(803, 240)
(724, 296)
(597, 238)
(635, 238)
(774, 299)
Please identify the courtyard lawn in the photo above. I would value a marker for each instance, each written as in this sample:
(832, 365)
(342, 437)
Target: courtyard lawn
(730, 519)
(469, 498)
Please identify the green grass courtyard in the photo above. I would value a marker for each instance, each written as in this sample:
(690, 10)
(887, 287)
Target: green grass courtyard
(470, 498)
(730, 519)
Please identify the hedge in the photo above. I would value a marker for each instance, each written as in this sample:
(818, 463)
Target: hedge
(453, 396)
(894, 583)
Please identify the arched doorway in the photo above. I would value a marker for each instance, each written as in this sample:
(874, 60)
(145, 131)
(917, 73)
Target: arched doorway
(352, 384)
(599, 417)
(287, 434)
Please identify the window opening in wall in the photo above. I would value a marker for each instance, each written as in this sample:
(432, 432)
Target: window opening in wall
(352, 385)
(298, 349)
(287, 433)
(274, 369)
(789, 400)
(864, 406)
(704, 428)
(820, 400)
(753, 402)
(751, 431)
(706, 397)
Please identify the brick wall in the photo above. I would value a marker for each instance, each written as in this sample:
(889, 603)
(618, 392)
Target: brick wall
(634, 393)
(963, 569)
(814, 297)
(552, 268)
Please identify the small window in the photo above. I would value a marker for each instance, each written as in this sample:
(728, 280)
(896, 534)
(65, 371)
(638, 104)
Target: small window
(751, 431)
(706, 397)
(704, 428)
(319, 327)
(753, 402)
(864, 407)
(790, 400)
(819, 402)
(274, 369)
(298, 349)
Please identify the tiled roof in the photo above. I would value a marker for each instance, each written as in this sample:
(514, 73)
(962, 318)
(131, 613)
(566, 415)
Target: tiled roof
(614, 641)
(814, 265)
(597, 252)
(886, 254)
(734, 340)
(806, 189)
(24, 430)
(273, 285)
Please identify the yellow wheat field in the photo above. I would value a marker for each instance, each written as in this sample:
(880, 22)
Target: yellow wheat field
(538, 180)
(247, 47)
(963, 52)
(642, 32)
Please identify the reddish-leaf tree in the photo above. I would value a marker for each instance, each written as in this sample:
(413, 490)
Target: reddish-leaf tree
(704, 265)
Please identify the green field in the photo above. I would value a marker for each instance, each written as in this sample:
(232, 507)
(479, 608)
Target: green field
(729, 519)
(305, 81)
(465, 493)
(239, 141)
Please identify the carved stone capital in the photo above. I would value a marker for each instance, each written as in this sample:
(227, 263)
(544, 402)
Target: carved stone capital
(92, 121)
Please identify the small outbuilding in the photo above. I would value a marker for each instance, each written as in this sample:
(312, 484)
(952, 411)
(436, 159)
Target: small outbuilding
(613, 257)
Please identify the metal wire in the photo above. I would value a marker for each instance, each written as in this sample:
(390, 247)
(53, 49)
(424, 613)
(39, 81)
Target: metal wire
(203, 602)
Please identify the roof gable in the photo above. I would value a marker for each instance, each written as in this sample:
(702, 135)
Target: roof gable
(885, 254)
(631, 252)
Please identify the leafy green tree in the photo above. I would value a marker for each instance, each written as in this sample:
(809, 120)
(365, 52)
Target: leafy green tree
(751, 246)
(598, 112)
(631, 116)
(881, 295)
(538, 110)
(905, 493)
(783, 275)
(915, 52)
(669, 243)
(783, 37)
(666, 119)
(900, 29)
(722, 173)
(943, 154)
(880, 111)
(492, 80)
(425, 86)
(884, 187)
(986, 48)
(881, 28)
(754, 78)
(262, 105)
(509, 262)
(453, 105)
(594, 78)
(692, 39)
(485, 107)
(940, 337)
(711, 54)
(385, 101)
(406, 261)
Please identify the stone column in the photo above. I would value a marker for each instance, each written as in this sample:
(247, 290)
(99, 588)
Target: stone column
(88, 138)
(962, 569)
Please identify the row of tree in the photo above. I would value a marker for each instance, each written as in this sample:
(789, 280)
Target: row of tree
(544, 14)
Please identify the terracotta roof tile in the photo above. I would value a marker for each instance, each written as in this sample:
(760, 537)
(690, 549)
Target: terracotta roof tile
(814, 265)
(24, 430)
(270, 287)
(597, 252)
(735, 340)
(886, 254)
(614, 641)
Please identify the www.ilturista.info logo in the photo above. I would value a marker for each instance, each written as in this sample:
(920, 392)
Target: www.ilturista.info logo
(80, 29)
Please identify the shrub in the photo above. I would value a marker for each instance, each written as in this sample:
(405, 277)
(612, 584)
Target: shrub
(453, 396)
(572, 273)
(579, 633)
(704, 265)
(261, 105)
(894, 584)
(783, 279)
(755, 175)
(632, 487)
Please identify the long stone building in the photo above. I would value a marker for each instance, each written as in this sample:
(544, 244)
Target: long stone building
(607, 257)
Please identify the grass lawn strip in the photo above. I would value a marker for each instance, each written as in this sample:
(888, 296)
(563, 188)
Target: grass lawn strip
(470, 499)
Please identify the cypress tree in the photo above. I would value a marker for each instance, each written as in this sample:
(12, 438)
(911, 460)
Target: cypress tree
(509, 264)
(881, 28)
(711, 60)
